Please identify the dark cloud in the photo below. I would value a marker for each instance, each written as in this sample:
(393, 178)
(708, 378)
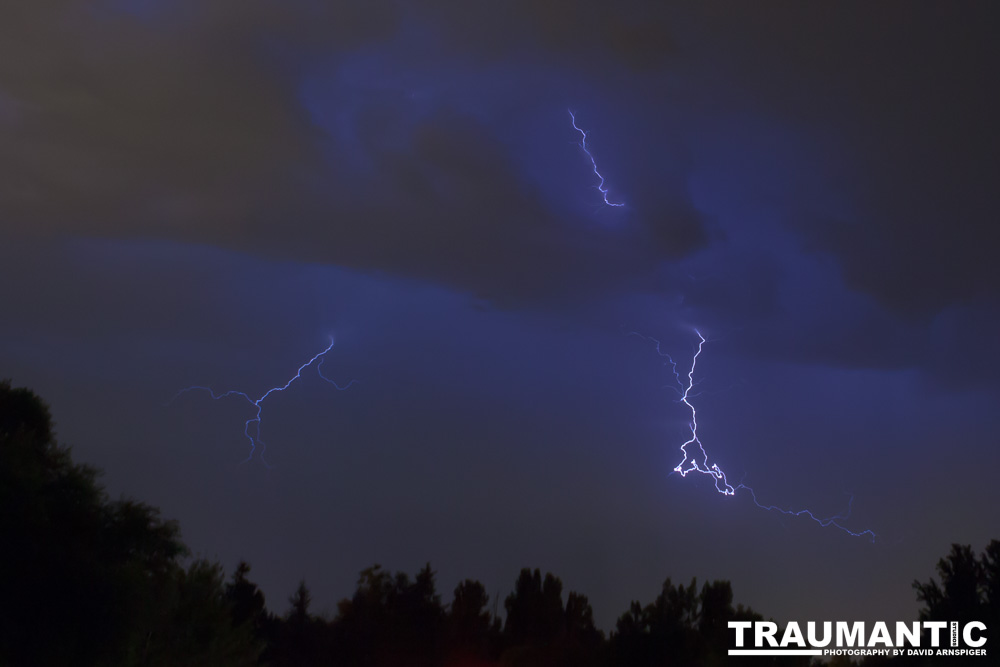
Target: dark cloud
(178, 123)
(450, 206)
(909, 97)
(633, 33)
(130, 127)
(811, 186)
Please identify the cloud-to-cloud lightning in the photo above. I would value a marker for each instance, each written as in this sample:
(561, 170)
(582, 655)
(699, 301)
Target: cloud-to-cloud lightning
(583, 144)
(695, 458)
(252, 426)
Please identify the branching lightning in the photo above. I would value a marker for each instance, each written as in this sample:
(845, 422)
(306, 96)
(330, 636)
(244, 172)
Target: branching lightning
(583, 144)
(695, 458)
(252, 425)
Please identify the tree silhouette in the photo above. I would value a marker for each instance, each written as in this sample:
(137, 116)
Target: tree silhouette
(197, 627)
(391, 620)
(74, 566)
(990, 590)
(473, 635)
(89, 581)
(685, 627)
(299, 639)
(539, 630)
(92, 582)
(969, 589)
(247, 601)
(534, 610)
(298, 613)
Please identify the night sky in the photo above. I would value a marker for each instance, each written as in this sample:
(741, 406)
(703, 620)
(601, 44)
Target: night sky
(204, 192)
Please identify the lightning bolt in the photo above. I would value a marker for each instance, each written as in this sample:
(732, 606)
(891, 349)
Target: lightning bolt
(583, 144)
(695, 458)
(251, 428)
(699, 462)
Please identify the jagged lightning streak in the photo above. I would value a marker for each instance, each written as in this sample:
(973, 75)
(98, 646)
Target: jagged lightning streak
(698, 460)
(583, 144)
(252, 426)
(695, 465)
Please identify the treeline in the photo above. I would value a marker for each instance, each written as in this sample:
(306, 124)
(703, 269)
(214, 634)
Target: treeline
(86, 580)
(394, 620)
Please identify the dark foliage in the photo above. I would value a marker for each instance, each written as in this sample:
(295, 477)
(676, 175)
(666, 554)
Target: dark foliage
(85, 580)
(969, 590)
